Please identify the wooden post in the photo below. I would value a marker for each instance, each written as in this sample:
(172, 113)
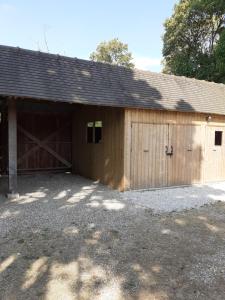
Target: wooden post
(12, 149)
(74, 137)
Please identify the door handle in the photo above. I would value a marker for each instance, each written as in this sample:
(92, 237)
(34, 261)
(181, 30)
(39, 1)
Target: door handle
(171, 151)
(146, 150)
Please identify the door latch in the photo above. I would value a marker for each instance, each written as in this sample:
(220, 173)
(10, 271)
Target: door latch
(169, 153)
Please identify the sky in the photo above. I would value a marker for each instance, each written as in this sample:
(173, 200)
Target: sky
(75, 28)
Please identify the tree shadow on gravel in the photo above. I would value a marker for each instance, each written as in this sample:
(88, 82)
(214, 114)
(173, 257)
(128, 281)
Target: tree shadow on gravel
(85, 242)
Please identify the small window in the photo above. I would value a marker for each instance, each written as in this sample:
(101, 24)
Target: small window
(98, 132)
(94, 132)
(218, 138)
(90, 132)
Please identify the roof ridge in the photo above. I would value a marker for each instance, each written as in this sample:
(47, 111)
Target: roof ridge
(57, 55)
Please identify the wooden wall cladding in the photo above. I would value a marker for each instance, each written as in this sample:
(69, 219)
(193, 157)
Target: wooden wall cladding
(195, 158)
(103, 161)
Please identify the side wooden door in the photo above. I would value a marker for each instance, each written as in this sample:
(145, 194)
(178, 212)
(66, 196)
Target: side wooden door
(214, 154)
(148, 158)
(185, 163)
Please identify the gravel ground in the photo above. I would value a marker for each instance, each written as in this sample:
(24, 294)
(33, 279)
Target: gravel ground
(71, 238)
(178, 199)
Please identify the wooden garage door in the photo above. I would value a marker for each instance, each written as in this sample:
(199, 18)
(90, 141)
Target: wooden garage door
(214, 154)
(165, 155)
(148, 159)
(185, 165)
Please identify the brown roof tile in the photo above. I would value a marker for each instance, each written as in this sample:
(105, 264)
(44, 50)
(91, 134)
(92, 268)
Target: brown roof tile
(32, 74)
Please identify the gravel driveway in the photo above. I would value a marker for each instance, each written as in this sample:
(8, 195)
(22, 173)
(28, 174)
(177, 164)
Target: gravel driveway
(177, 199)
(70, 238)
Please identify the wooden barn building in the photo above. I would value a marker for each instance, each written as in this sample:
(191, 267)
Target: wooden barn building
(129, 129)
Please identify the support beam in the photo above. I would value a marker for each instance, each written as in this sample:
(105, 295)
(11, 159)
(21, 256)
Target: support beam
(12, 149)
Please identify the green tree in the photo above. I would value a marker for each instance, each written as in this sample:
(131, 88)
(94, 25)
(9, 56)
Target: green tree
(220, 59)
(191, 37)
(113, 52)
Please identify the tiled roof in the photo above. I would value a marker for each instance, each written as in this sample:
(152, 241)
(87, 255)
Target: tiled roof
(33, 74)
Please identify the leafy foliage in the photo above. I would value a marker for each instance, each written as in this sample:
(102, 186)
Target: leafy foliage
(220, 59)
(193, 39)
(113, 52)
